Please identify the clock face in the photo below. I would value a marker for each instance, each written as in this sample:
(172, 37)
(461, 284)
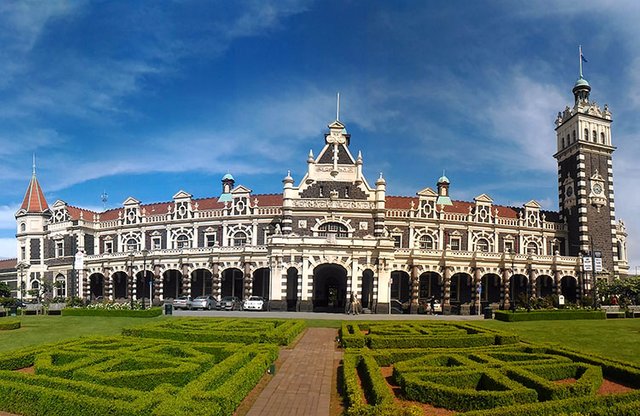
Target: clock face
(597, 189)
(569, 191)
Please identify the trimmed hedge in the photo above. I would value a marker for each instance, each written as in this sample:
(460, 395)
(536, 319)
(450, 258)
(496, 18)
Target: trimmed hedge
(509, 316)
(9, 325)
(514, 379)
(274, 331)
(420, 335)
(133, 376)
(146, 313)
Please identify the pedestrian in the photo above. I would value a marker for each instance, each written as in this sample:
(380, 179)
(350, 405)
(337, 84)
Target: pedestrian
(352, 305)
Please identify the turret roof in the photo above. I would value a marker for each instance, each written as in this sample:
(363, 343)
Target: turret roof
(34, 201)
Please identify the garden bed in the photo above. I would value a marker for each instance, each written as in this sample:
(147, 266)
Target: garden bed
(550, 315)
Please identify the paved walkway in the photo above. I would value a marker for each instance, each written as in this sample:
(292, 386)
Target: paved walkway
(302, 384)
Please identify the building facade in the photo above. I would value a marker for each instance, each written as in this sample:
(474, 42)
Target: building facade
(332, 234)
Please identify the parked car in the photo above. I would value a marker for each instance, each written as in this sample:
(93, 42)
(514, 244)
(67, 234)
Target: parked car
(398, 307)
(254, 303)
(182, 302)
(204, 302)
(230, 303)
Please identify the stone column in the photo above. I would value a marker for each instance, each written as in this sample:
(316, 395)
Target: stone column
(186, 280)
(505, 288)
(446, 285)
(477, 287)
(415, 287)
(247, 280)
(556, 283)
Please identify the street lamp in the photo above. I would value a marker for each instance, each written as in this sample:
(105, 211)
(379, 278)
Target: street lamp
(512, 257)
(21, 268)
(130, 261)
(529, 264)
(144, 277)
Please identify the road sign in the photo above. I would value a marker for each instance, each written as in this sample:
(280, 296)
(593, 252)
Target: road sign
(587, 264)
(598, 264)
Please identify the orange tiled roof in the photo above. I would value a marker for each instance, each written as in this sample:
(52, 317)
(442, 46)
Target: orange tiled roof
(462, 207)
(34, 198)
(8, 264)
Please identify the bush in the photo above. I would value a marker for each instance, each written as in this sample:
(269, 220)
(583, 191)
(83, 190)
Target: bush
(565, 314)
(146, 313)
(9, 325)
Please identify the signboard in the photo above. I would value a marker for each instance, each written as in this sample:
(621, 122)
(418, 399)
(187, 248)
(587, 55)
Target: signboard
(587, 264)
(598, 260)
(561, 300)
(598, 264)
(79, 260)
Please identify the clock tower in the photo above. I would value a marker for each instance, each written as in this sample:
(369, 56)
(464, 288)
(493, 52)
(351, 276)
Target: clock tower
(585, 177)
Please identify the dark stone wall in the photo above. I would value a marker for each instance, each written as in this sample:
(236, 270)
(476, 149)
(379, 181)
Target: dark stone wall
(600, 222)
(569, 168)
(352, 190)
(35, 248)
(343, 156)
(88, 244)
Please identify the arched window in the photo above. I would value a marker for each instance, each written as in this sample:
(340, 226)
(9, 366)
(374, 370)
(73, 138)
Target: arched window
(35, 285)
(532, 248)
(240, 239)
(602, 138)
(586, 135)
(573, 137)
(568, 140)
(23, 227)
(594, 136)
(426, 242)
(132, 244)
(482, 245)
(182, 241)
(60, 286)
(336, 228)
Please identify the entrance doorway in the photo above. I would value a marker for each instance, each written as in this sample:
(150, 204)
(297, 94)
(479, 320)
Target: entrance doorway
(329, 288)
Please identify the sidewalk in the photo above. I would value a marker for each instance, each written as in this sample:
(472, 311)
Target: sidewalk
(302, 384)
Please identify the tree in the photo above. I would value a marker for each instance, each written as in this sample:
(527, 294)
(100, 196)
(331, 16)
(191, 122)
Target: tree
(5, 291)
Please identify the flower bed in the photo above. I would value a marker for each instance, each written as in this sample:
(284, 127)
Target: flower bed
(9, 325)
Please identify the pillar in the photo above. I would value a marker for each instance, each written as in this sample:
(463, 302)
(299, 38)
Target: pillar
(505, 288)
(415, 287)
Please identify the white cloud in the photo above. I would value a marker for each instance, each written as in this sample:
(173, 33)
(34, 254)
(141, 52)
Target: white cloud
(8, 248)
(7, 217)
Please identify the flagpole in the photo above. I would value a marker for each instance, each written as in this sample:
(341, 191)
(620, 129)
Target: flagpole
(580, 59)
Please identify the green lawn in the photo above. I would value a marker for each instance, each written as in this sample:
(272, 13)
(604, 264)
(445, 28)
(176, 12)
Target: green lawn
(38, 330)
(613, 338)
(610, 338)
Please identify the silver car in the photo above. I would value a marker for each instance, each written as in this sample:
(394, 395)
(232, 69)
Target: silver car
(204, 302)
(182, 302)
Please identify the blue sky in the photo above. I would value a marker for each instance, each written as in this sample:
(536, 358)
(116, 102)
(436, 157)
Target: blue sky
(143, 99)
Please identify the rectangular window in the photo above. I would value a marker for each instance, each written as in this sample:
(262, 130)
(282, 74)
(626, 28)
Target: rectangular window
(508, 247)
(23, 253)
(210, 240)
(108, 246)
(397, 241)
(156, 243)
(456, 243)
(59, 248)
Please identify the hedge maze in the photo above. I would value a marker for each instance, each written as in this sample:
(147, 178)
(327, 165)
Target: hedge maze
(142, 373)
(477, 373)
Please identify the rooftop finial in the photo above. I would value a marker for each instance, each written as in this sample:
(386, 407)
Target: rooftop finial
(104, 197)
(34, 165)
(582, 59)
(338, 108)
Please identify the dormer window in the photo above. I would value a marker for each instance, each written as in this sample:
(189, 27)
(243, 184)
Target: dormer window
(23, 227)
(132, 244)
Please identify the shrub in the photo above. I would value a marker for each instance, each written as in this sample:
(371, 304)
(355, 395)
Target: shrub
(9, 325)
(146, 313)
(565, 314)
